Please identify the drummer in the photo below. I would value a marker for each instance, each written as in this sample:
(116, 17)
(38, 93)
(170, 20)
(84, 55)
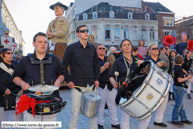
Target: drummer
(122, 65)
(27, 73)
(84, 65)
(106, 90)
(153, 51)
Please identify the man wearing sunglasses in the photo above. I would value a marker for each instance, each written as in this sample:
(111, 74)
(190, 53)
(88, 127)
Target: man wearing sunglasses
(58, 30)
(84, 65)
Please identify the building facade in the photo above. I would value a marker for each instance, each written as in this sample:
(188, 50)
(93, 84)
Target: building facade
(185, 24)
(6, 21)
(109, 24)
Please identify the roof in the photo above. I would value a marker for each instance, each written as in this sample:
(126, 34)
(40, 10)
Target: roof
(158, 7)
(103, 9)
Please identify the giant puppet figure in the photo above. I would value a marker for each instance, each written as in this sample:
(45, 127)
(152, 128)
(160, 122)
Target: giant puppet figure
(7, 41)
(58, 29)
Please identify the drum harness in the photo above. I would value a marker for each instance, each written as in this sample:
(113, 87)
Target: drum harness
(41, 62)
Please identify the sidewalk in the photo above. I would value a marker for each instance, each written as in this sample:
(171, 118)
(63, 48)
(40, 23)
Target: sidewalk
(83, 122)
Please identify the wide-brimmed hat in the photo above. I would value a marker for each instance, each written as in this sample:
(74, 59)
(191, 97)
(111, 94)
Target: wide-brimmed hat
(60, 4)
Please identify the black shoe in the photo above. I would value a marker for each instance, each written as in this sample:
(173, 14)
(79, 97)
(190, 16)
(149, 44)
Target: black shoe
(189, 96)
(162, 124)
(116, 126)
(178, 123)
(187, 122)
(100, 126)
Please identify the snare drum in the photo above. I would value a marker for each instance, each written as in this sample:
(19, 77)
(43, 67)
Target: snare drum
(56, 105)
(149, 96)
(90, 102)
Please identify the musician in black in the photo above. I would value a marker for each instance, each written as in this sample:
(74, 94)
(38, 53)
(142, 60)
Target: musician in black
(7, 88)
(84, 72)
(172, 56)
(123, 65)
(179, 80)
(154, 52)
(180, 47)
(27, 72)
(106, 90)
(187, 70)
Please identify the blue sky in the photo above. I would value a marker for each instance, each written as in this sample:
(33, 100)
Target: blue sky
(32, 16)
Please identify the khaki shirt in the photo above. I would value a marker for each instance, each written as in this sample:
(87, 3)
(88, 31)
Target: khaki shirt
(60, 27)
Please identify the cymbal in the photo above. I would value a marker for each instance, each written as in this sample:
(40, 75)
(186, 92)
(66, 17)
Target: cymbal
(43, 88)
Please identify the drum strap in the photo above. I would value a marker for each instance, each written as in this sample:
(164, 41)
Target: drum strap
(42, 73)
(4, 67)
(128, 69)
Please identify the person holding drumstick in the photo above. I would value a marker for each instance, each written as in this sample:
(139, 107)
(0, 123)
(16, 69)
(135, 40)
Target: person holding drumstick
(123, 65)
(84, 72)
(27, 73)
(154, 52)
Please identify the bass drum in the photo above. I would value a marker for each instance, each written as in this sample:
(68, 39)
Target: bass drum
(148, 97)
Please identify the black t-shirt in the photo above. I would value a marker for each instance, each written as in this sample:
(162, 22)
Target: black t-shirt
(104, 76)
(178, 73)
(187, 64)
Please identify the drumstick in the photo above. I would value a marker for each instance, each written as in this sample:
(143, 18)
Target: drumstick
(116, 75)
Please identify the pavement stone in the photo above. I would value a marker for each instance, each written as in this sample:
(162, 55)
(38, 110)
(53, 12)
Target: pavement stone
(83, 122)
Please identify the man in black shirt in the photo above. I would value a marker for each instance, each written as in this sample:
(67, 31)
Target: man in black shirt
(186, 69)
(179, 79)
(84, 72)
(27, 73)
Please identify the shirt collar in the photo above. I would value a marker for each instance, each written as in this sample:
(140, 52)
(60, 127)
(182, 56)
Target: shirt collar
(45, 58)
(80, 45)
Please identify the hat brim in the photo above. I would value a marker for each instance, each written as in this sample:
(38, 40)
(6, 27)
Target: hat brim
(59, 4)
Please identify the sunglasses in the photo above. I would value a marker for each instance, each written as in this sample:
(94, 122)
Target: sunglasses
(101, 48)
(154, 48)
(83, 31)
(8, 53)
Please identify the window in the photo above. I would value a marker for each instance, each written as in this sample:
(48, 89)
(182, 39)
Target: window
(168, 22)
(126, 33)
(117, 33)
(85, 16)
(94, 15)
(152, 34)
(147, 16)
(167, 32)
(107, 33)
(111, 14)
(77, 18)
(130, 15)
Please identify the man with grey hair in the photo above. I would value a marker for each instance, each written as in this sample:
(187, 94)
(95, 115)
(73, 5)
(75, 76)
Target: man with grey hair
(57, 31)
(180, 47)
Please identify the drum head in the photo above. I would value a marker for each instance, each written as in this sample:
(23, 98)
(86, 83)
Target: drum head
(43, 88)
